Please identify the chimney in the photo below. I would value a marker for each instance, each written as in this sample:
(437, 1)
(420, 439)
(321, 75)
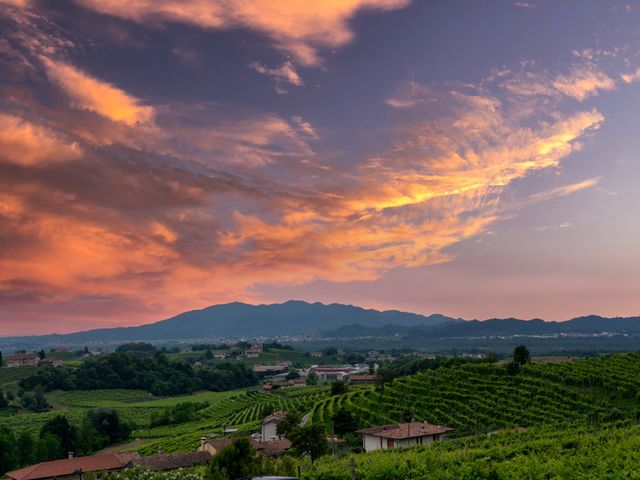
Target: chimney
(203, 440)
(70, 455)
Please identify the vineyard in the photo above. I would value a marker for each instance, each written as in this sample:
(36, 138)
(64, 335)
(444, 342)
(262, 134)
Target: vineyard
(484, 398)
(537, 453)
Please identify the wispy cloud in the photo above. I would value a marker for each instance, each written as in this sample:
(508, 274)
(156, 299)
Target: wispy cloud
(285, 74)
(553, 228)
(583, 83)
(25, 143)
(97, 96)
(298, 28)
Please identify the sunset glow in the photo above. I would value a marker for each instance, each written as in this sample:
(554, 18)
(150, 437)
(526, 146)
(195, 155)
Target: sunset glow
(158, 156)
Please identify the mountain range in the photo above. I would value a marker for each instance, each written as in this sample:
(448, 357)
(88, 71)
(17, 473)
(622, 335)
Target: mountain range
(293, 318)
(236, 320)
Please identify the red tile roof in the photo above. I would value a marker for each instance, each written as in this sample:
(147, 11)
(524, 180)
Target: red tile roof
(59, 468)
(406, 430)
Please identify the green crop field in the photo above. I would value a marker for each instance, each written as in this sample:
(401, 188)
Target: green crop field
(537, 453)
(482, 397)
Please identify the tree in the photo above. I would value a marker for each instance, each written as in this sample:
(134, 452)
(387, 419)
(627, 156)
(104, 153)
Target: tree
(26, 448)
(35, 401)
(343, 422)
(208, 354)
(521, 355)
(0, 358)
(235, 461)
(292, 375)
(48, 447)
(309, 440)
(41, 354)
(108, 425)
(338, 388)
(290, 421)
(8, 451)
(3, 401)
(312, 378)
(60, 427)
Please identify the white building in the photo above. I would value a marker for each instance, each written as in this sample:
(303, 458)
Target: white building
(402, 435)
(270, 425)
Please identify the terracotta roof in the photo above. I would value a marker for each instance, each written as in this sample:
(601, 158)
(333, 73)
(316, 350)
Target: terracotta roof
(275, 417)
(272, 447)
(164, 461)
(405, 430)
(59, 468)
(22, 356)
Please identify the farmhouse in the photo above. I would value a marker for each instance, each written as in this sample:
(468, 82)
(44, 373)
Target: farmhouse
(402, 435)
(74, 468)
(23, 360)
(270, 448)
(270, 425)
(254, 351)
(214, 446)
(332, 373)
(51, 361)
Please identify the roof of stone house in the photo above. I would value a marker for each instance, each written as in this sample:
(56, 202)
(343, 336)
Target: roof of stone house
(275, 417)
(163, 461)
(220, 443)
(59, 468)
(272, 447)
(405, 430)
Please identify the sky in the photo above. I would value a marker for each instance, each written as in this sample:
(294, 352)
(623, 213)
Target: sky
(477, 159)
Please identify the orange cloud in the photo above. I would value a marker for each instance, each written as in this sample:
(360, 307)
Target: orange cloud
(298, 28)
(583, 83)
(97, 96)
(25, 143)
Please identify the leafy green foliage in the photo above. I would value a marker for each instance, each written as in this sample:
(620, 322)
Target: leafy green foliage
(290, 421)
(155, 374)
(179, 413)
(338, 388)
(309, 440)
(343, 422)
(521, 355)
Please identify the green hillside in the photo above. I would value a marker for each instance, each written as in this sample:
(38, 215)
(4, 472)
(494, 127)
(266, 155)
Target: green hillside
(474, 398)
(536, 454)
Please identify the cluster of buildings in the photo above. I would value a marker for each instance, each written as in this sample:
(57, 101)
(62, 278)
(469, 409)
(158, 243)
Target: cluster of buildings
(31, 360)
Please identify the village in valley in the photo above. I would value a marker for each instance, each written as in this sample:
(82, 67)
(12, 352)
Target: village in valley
(293, 391)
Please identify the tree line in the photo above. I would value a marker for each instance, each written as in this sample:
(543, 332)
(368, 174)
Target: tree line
(155, 374)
